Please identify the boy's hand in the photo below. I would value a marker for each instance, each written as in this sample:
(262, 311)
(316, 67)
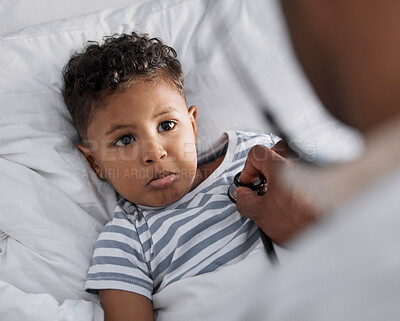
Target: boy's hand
(282, 211)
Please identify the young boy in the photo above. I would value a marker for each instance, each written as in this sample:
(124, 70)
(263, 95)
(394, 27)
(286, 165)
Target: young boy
(175, 219)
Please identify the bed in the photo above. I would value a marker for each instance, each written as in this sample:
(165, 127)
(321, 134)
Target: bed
(52, 205)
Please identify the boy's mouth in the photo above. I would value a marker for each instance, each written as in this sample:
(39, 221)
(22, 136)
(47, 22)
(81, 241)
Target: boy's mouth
(162, 179)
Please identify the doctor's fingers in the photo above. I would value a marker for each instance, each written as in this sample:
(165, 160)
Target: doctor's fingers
(263, 211)
(283, 149)
(250, 204)
(260, 160)
(256, 205)
(281, 213)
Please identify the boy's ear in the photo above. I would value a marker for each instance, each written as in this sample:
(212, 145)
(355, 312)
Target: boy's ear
(193, 119)
(90, 158)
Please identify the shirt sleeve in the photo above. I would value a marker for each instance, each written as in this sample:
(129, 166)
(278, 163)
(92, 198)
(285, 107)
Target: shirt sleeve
(118, 260)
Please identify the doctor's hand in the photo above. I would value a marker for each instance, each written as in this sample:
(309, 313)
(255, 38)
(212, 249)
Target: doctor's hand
(282, 211)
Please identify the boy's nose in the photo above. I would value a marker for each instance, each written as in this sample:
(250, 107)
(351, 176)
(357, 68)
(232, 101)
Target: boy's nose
(153, 153)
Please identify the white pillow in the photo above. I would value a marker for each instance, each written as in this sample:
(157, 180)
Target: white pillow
(15, 15)
(52, 203)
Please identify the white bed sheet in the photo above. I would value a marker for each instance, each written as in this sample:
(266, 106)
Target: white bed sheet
(18, 14)
(53, 206)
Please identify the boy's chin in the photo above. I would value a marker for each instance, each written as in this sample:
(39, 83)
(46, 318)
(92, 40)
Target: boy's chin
(157, 204)
(162, 200)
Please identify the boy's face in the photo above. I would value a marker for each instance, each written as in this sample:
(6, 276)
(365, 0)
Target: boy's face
(144, 143)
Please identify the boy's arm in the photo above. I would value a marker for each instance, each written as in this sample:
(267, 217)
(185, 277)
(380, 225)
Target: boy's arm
(121, 305)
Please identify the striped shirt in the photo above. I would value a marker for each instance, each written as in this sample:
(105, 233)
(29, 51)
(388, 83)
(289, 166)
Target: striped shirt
(143, 250)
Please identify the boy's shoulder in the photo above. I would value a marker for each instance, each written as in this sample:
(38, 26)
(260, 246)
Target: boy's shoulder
(124, 214)
(254, 138)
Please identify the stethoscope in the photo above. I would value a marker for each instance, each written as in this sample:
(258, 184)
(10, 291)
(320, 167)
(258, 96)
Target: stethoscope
(259, 186)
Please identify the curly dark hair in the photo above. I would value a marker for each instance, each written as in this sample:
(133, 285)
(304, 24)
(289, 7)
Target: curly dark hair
(99, 70)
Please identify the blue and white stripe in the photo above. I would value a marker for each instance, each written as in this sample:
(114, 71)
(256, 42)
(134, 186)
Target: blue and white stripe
(143, 250)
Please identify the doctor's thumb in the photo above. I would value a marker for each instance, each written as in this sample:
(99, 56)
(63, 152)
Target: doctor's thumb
(246, 199)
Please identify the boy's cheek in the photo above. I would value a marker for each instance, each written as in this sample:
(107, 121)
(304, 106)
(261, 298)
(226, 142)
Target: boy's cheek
(187, 173)
(127, 154)
(111, 174)
(189, 151)
(122, 177)
(116, 154)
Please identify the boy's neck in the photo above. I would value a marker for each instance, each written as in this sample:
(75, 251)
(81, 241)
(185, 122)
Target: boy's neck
(205, 171)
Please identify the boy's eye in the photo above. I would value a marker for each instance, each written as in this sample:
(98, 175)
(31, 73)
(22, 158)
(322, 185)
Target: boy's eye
(166, 125)
(125, 140)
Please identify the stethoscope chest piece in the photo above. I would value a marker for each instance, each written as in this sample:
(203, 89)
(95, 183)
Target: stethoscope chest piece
(256, 186)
